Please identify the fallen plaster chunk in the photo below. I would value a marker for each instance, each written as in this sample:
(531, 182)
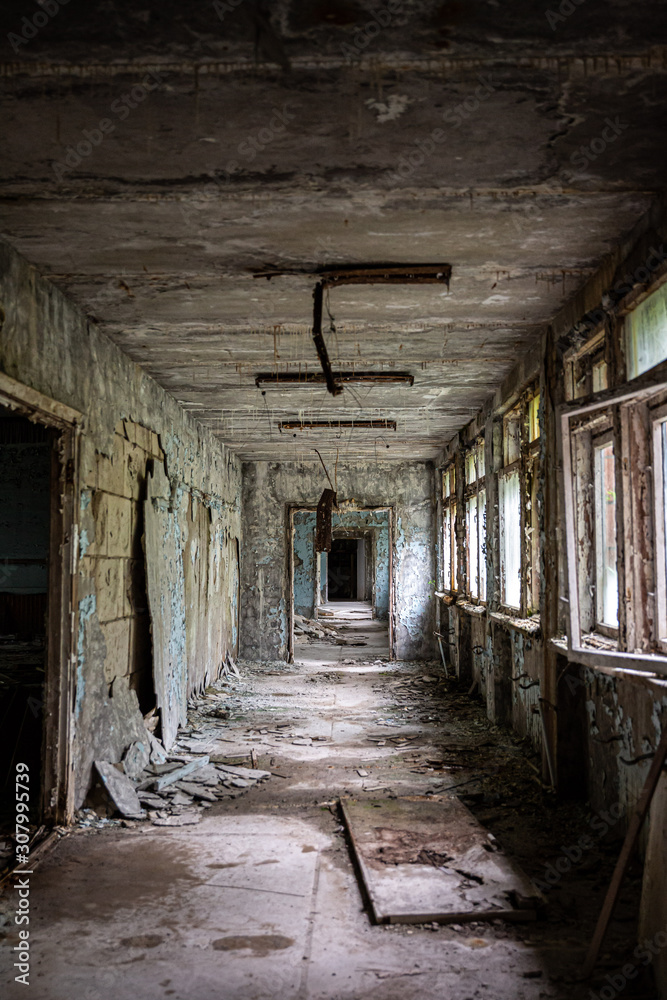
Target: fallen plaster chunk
(136, 758)
(158, 753)
(187, 818)
(120, 789)
(197, 791)
(181, 799)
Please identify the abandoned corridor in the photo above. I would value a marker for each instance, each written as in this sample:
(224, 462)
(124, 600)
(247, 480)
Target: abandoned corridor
(333, 499)
(260, 899)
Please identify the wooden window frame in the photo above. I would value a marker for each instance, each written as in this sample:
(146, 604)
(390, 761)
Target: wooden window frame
(580, 362)
(526, 461)
(472, 491)
(658, 421)
(598, 442)
(633, 427)
(450, 510)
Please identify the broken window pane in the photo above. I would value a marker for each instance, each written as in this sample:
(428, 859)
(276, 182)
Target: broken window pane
(646, 333)
(600, 376)
(510, 540)
(511, 437)
(605, 529)
(482, 544)
(455, 562)
(534, 417)
(447, 550)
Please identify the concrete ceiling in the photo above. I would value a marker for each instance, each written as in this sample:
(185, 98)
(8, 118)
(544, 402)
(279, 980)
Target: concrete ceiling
(278, 137)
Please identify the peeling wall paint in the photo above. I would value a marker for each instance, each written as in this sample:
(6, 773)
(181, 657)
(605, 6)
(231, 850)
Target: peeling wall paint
(128, 422)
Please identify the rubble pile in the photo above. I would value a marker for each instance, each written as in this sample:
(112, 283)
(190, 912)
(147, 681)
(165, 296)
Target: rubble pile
(173, 788)
(318, 630)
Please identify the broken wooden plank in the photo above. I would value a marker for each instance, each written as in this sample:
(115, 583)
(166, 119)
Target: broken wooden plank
(426, 859)
(180, 772)
(120, 789)
(631, 837)
(187, 818)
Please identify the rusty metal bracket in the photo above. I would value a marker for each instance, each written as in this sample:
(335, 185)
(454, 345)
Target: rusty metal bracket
(320, 346)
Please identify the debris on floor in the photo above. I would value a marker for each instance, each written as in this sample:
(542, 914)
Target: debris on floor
(316, 630)
(173, 788)
(428, 859)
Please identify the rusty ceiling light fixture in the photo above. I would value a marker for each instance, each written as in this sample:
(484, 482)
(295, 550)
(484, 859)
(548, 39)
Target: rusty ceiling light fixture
(328, 425)
(317, 378)
(365, 274)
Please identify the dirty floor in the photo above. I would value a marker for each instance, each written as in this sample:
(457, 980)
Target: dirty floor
(260, 899)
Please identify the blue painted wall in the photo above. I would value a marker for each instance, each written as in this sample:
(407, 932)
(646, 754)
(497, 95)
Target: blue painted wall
(378, 522)
(304, 562)
(304, 556)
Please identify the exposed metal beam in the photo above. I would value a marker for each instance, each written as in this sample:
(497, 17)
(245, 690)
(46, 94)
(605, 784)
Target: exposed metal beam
(292, 379)
(367, 274)
(318, 425)
(386, 274)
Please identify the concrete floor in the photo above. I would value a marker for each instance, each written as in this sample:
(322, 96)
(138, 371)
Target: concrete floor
(260, 900)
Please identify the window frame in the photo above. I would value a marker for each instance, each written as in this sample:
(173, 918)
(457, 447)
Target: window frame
(659, 461)
(449, 511)
(522, 443)
(625, 311)
(626, 409)
(580, 363)
(472, 491)
(598, 443)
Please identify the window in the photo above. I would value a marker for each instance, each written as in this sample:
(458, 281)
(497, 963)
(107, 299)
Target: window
(532, 530)
(586, 368)
(509, 497)
(606, 573)
(646, 333)
(449, 558)
(510, 540)
(475, 508)
(616, 528)
(660, 495)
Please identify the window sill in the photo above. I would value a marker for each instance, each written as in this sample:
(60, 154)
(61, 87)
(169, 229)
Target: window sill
(529, 626)
(647, 668)
(471, 609)
(596, 640)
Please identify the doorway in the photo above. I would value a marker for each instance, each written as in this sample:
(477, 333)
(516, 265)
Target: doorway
(359, 567)
(25, 490)
(342, 570)
(37, 551)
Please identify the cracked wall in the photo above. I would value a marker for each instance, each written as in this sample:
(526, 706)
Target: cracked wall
(129, 425)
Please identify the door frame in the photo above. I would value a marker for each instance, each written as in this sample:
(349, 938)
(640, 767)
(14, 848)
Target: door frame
(291, 510)
(56, 803)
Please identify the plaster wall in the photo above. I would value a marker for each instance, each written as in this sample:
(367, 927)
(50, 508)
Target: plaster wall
(127, 423)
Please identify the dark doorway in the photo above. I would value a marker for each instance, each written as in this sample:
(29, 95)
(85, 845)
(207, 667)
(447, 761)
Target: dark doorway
(26, 460)
(342, 569)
